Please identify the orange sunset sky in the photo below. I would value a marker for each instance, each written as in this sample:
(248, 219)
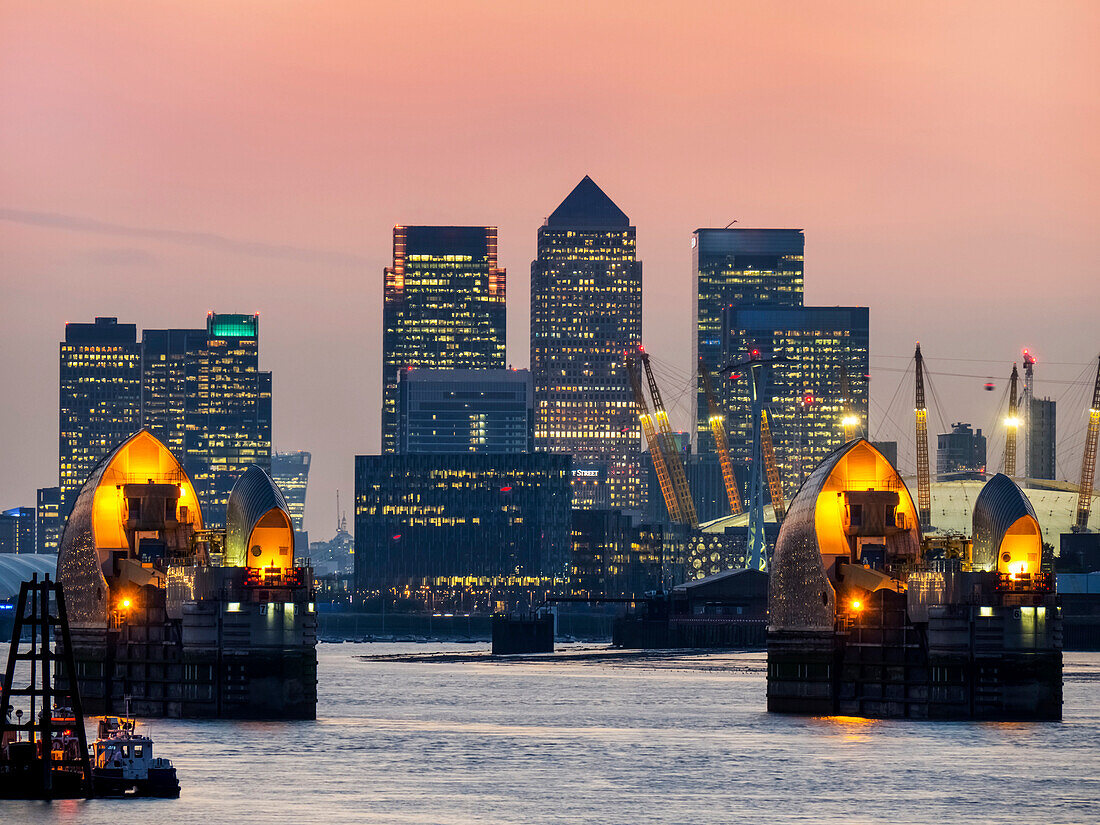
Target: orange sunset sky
(162, 159)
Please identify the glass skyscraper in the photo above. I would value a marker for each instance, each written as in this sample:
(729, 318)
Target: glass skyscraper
(168, 356)
(100, 398)
(443, 307)
(47, 519)
(464, 411)
(586, 312)
(291, 472)
(818, 348)
(228, 416)
(737, 267)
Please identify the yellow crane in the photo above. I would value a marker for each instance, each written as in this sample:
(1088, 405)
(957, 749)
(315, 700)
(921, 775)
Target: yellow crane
(848, 420)
(672, 455)
(655, 451)
(721, 441)
(924, 486)
(1088, 462)
(775, 485)
(1012, 425)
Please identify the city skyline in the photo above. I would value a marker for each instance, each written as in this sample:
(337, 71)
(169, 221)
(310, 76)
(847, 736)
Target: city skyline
(984, 204)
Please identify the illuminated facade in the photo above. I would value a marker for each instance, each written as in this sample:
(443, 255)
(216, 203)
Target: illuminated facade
(611, 557)
(159, 619)
(100, 397)
(205, 397)
(443, 307)
(168, 357)
(291, 473)
(464, 411)
(47, 519)
(472, 519)
(738, 267)
(586, 311)
(818, 346)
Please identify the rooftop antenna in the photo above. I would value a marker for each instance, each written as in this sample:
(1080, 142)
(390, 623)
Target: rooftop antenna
(731, 223)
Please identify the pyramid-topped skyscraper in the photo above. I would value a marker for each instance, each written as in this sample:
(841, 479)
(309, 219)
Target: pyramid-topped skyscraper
(586, 311)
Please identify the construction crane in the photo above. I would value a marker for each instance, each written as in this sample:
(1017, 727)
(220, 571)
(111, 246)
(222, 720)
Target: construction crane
(775, 486)
(924, 487)
(1012, 425)
(721, 441)
(1028, 394)
(848, 420)
(1088, 463)
(672, 454)
(655, 451)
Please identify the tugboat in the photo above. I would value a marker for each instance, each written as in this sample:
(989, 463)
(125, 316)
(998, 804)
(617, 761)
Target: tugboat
(124, 765)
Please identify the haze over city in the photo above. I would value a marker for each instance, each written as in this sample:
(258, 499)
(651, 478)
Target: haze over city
(184, 157)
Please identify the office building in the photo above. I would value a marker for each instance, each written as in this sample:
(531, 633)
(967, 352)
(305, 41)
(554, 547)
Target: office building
(205, 398)
(461, 520)
(817, 349)
(291, 473)
(17, 530)
(99, 398)
(586, 311)
(738, 267)
(47, 519)
(614, 558)
(168, 357)
(960, 451)
(464, 411)
(443, 307)
(1041, 455)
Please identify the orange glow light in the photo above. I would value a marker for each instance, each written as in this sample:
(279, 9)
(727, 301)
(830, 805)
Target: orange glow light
(125, 604)
(857, 605)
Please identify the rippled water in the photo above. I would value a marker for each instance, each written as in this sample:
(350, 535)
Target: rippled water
(626, 740)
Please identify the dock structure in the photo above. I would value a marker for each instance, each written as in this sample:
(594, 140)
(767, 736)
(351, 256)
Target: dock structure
(188, 622)
(43, 765)
(863, 621)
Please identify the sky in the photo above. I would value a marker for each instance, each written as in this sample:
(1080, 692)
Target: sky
(162, 159)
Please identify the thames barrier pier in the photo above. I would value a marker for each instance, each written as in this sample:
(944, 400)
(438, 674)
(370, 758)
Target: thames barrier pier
(865, 621)
(187, 622)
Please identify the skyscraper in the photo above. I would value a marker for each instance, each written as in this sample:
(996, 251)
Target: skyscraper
(586, 311)
(100, 397)
(1041, 454)
(817, 348)
(736, 267)
(464, 411)
(443, 307)
(17, 530)
(168, 356)
(228, 413)
(291, 473)
(47, 519)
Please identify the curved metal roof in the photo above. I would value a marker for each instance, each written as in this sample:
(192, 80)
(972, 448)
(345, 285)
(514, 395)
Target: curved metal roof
(254, 495)
(79, 566)
(15, 569)
(800, 596)
(1000, 505)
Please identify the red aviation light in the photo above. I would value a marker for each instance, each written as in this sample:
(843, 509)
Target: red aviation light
(506, 489)
(397, 537)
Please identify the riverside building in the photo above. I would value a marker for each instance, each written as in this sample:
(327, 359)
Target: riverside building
(99, 399)
(465, 525)
(443, 307)
(586, 311)
(738, 267)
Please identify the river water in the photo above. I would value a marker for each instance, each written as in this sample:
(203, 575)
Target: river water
(595, 738)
